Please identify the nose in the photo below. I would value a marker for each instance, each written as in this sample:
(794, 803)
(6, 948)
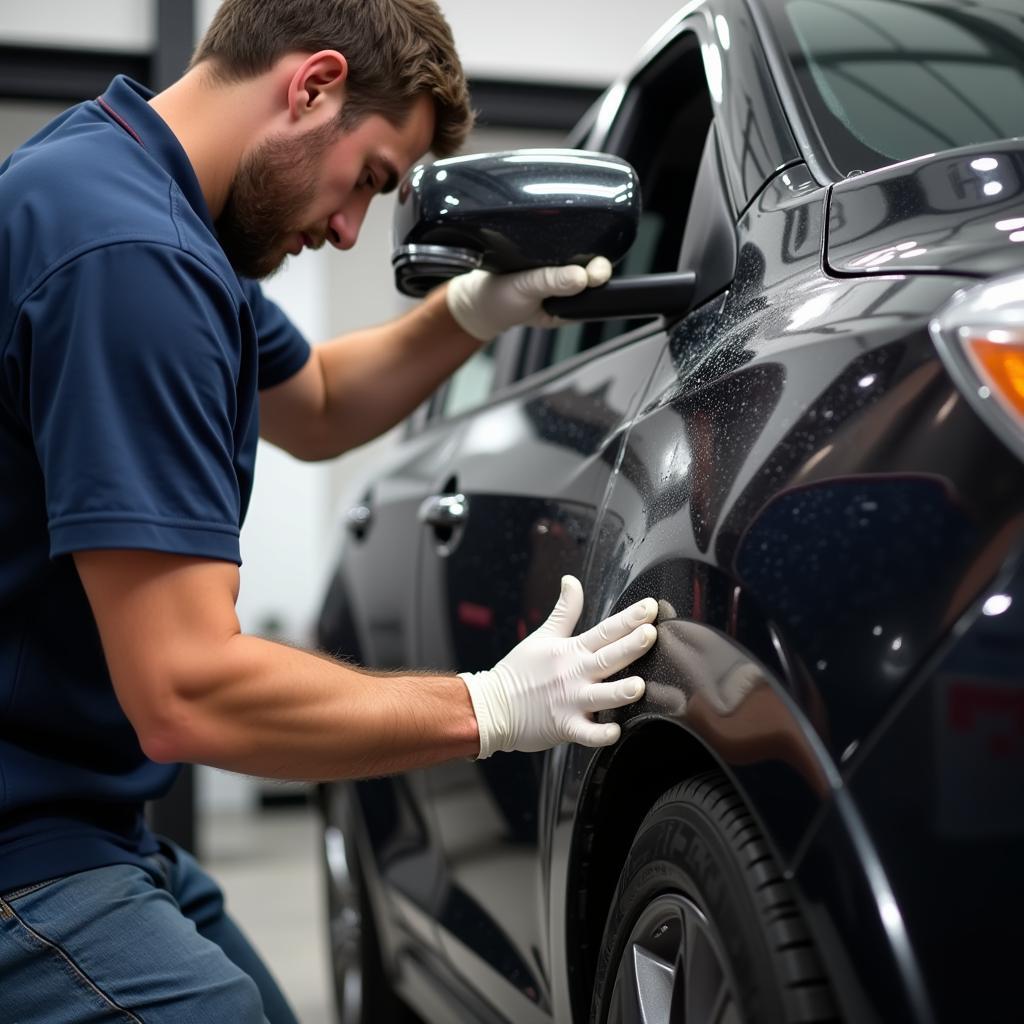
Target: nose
(343, 227)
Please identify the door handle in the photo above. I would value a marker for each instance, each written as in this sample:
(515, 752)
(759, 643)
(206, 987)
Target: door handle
(358, 519)
(445, 510)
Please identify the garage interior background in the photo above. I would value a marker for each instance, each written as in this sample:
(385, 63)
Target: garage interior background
(534, 68)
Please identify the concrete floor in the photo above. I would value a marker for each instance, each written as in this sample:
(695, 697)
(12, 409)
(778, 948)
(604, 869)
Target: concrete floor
(268, 863)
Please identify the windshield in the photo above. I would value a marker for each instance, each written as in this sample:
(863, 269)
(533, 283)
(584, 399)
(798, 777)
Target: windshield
(887, 80)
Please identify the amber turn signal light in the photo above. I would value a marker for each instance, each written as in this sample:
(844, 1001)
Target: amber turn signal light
(979, 335)
(1000, 361)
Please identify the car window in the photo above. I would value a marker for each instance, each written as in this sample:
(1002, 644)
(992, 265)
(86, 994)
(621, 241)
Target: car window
(471, 383)
(661, 132)
(888, 80)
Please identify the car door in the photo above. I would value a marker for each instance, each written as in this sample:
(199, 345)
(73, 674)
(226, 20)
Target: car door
(516, 507)
(368, 617)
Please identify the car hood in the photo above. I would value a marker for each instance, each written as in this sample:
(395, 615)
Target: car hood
(957, 212)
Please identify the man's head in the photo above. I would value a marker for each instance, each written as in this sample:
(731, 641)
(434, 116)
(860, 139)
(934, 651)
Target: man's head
(370, 86)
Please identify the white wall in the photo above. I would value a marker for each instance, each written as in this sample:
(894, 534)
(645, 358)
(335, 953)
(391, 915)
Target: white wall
(579, 41)
(586, 41)
(99, 24)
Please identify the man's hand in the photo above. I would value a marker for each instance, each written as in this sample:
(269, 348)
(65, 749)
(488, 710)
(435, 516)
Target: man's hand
(485, 304)
(543, 692)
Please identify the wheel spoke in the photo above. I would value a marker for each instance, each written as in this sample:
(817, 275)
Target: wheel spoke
(705, 980)
(654, 982)
(672, 970)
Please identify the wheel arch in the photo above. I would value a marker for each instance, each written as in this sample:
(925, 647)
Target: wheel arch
(619, 792)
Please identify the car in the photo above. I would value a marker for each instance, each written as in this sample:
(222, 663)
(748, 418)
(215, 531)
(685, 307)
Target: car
(816, 811)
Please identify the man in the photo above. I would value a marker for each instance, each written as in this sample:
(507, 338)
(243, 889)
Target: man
(137, 362)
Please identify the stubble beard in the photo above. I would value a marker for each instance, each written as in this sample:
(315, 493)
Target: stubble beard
(271, 190)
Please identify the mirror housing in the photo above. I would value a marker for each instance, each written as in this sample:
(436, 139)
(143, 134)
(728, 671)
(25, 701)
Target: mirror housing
(513, 210)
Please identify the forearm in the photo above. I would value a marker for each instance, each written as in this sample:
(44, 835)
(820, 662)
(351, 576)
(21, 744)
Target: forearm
(373, 378)
(266, 709)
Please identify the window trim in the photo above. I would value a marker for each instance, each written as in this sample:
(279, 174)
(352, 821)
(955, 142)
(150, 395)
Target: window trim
(803, 126)
(609, 131)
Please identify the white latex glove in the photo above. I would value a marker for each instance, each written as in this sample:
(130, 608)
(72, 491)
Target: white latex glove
(485, 304)
(543, 692)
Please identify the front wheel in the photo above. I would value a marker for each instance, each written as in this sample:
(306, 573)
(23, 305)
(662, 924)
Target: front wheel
(703, 928)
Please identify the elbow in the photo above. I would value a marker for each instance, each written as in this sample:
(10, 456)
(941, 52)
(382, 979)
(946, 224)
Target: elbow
(169, 735)
(179, 715)
(172, 720)
(161, 747)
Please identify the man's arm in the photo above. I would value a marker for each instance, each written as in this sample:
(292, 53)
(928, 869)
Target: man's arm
(356, 387)
(361, 384)
(197, 689)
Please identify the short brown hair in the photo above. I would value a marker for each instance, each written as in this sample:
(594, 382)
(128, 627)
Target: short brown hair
(396, 50)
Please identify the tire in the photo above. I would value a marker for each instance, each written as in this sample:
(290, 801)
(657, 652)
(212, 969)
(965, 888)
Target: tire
(703, 928)
(362, 992)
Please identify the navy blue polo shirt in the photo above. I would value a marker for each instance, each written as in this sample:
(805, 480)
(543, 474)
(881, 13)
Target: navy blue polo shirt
(130, 359)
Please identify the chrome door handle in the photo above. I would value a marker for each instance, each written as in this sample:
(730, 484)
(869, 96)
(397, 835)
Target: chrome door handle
(358, 519)
(446, 510)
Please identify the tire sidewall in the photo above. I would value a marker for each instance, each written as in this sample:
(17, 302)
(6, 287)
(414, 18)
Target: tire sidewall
(680, 849)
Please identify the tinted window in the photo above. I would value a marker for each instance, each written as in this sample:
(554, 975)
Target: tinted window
(470, 385)
(889, 80)
(661, 131)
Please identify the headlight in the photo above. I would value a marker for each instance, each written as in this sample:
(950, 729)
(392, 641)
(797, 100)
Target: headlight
(980, 339)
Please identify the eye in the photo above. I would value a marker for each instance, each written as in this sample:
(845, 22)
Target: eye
(367, 180)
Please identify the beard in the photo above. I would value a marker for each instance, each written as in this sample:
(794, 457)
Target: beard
(272, 188)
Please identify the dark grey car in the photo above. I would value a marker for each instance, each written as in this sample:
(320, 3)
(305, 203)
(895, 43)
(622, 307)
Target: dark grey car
(816, 811)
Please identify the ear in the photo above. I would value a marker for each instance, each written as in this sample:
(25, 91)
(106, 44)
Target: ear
(317, 86)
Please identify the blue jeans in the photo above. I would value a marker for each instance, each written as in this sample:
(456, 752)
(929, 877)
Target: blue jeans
(112, 944)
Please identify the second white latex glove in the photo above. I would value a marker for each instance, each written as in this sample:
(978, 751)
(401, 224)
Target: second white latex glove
(544, 691)
(485, 304)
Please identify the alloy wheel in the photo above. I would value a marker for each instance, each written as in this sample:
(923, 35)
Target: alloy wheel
(345, 929)
(672, 970)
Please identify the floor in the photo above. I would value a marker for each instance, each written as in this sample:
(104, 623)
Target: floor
(268, 863)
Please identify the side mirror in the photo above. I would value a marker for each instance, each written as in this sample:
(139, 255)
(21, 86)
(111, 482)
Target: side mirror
(511, 211)
(528, 208)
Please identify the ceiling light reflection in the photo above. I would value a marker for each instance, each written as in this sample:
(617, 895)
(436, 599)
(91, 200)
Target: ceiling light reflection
(560, 188)
(997, 604)
(563, 158)
(722, 28)
(992, 188)
(713, 70)
(810, 310)
(985, 163)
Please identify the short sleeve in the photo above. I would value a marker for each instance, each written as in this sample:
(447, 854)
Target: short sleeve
(135, 407)
(283, 350)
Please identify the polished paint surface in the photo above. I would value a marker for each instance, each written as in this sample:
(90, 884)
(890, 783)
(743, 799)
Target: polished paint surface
(833, 535)
(510, 211)
(959, 212)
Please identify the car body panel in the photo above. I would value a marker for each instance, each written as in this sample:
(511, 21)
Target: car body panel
(938, 801)
(958, 212)
(534, 470)
(796, 606)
